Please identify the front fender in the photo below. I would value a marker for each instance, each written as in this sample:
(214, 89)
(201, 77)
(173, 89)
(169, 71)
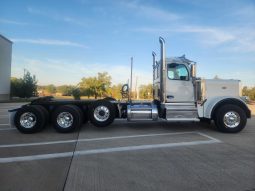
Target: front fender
(212, 103)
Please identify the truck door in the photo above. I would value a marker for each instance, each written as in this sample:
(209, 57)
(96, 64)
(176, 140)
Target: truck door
(179, 87)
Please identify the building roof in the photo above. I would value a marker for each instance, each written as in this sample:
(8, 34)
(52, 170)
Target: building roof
(1, 36)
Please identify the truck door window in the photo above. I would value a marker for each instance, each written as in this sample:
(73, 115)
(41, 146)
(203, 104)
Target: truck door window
(177, 72)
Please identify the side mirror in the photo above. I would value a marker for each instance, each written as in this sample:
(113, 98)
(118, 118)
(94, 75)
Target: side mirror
(125, 91)
(193, 70)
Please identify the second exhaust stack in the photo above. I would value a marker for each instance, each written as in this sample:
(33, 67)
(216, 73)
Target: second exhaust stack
(162, 68)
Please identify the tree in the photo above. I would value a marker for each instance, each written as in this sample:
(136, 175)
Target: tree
(87, 92)
(245, 91)
(145, 91)
(115, 91)
(29, 85)
(65, 90)
(51, 89)
(250, 92)
(24, 87)
(104, 81)
(16, 86)
(96, 86)
(76, 93)
(89, 86)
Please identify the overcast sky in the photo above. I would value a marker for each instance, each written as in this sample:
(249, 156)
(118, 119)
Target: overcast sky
(62, 41)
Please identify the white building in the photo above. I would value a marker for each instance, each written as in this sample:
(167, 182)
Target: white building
(5, 67)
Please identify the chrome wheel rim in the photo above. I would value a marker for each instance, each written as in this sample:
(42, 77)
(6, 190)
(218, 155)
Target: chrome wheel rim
(65, 119)
(27, 120)
(101, 113)
(231, 119)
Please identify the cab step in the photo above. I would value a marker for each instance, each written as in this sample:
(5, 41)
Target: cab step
(183, 119)
(181, 112)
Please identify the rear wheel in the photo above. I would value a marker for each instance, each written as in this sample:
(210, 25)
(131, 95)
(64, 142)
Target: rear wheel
(67, 118)
(45, 112)
(102, 113)
(230, 119)
(30, 119)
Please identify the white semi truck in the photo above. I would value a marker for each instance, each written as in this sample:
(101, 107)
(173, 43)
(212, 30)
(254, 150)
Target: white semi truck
(178, 95)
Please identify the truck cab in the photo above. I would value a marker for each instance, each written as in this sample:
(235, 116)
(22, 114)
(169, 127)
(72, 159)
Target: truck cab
(178, 81)
(182, 96)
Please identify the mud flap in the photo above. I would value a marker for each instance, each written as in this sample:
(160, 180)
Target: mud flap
(11, 117)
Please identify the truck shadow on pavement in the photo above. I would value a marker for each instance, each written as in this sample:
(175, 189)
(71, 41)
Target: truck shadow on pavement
(150, 126)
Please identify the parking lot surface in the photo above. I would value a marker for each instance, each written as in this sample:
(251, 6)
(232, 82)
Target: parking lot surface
(127, 156)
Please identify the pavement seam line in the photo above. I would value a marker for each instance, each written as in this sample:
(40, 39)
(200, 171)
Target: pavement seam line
(73, 153)
(96, 139)
(100, 151)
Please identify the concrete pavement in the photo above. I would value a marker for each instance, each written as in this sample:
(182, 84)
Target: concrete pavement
(127, 156)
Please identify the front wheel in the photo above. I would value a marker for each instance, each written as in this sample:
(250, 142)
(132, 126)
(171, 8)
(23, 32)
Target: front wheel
(230, 119)
(102, 113)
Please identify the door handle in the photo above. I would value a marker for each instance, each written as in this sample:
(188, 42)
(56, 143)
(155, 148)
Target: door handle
(169, 96)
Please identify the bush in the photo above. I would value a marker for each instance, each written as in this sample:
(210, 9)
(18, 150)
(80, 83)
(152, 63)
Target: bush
(65, 90)
(76, 94)
(249, 92)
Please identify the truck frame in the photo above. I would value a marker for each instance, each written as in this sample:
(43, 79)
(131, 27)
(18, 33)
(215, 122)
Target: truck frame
(178, 95)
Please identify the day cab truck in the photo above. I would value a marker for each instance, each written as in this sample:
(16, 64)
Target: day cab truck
(178, 95)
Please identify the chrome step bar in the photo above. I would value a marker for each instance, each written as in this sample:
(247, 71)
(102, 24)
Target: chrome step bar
(183, 119)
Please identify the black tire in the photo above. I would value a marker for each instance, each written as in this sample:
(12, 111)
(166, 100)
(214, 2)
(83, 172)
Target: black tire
(80, 113)
(35, 113)
(73, 112)
(45, 112)
(107, 116)
(85, 115)
(230, 109)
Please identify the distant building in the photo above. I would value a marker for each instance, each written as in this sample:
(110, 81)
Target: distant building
(5, 67)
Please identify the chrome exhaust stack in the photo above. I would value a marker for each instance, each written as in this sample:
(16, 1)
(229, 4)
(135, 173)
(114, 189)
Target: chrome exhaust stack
(162, 52)
(154, 65)
(162, 69)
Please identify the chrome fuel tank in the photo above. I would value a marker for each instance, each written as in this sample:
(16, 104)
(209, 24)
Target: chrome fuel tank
(142, 112)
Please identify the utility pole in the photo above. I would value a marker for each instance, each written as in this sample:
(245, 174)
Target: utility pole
(136, 92)
(131, 77)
